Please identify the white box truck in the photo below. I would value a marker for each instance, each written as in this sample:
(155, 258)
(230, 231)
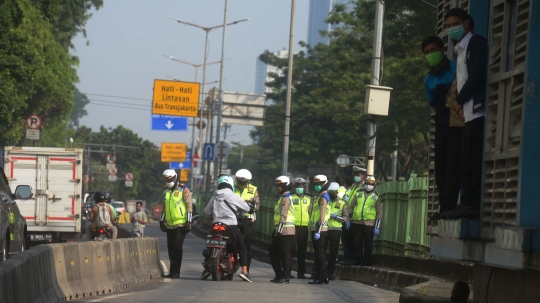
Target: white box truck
(53, 210)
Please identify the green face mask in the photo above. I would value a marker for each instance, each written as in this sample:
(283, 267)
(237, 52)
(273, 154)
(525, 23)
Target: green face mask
(434, 58)
(299, 190)
(456, 32)
(318, 188)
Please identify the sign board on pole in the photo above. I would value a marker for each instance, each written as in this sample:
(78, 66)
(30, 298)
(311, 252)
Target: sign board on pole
(184, 175)
(176, 98)
(242, 108)
(111, 166)
(33, 121)
(32, 134)
(112, 178)
(129, 176)
(223, 149)
(197, 176)
(171, 152)
(113, 171)
(169, 123)
(111, 158)
(182, 165)
(208, 151)
(129, 183)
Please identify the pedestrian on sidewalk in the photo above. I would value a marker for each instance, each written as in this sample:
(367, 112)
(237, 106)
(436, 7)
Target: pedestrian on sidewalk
(319, 216)
(138, 221)
(283, 237)
(366, 221)
(339, 214)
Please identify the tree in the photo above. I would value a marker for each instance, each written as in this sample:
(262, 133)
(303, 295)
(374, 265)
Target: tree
(80, 100)
(329, 88)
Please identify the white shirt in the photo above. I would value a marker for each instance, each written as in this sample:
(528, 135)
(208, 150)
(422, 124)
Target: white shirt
(462, 75)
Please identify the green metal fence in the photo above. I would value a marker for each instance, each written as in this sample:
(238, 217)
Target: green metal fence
(403, 227)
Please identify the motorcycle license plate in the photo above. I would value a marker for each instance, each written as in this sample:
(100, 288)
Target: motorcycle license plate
(213, 242)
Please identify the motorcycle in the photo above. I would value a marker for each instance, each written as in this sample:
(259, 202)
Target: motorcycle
(101, 234)
(221, 254)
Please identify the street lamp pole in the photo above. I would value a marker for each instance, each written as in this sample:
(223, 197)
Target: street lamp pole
(207, 30)
(286, 130)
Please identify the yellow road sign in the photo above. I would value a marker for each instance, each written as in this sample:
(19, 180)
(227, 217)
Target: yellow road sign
(173, 152)
(176, 98)
(184, 175)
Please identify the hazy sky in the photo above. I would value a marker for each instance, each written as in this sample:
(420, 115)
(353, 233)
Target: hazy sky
(127, 40)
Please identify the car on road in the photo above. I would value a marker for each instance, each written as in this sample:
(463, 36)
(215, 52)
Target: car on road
(118, 206)
(13, 235)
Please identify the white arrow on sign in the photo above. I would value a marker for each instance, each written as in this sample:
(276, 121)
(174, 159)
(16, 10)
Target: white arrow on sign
(169, 124)
(208, 151)
(181, 165)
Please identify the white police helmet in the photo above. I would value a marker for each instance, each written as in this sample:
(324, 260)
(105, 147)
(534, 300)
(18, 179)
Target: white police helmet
(170, 177)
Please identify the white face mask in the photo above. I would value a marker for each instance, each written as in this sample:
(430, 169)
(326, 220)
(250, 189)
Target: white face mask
(368, 188)
(170, 184)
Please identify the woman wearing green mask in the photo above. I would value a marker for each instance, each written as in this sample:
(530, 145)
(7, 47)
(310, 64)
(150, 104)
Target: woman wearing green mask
(301, 202)
(447, 135)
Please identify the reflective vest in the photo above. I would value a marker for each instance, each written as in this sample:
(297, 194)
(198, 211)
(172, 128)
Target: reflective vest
(246, 194)
(175, 207)
(277, 214)
(354, 192)
(301, 209)
(316, 211)
(336, 207)
(365, 207)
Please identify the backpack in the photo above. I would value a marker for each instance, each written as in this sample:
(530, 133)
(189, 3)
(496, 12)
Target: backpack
(104, 217)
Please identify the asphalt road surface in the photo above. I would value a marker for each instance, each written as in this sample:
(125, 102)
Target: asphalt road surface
(190, 289)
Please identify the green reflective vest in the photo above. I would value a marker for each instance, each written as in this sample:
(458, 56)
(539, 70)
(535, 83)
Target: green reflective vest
(246, 194)
(365, 207)
(316, 212)
(336, 207)
(277, 214)
(175, 207)
(301, 209)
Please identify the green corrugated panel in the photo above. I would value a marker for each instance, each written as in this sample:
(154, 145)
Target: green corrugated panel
(417, 240)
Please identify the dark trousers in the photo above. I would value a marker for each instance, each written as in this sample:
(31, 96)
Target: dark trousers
(363, 243)
(448, 142)
(331, 242)
(240, 245)
(301, 235)
(280, 255)
(175, 240)
(348, 242)
(472, 161)
(248, 233)
(320, 258)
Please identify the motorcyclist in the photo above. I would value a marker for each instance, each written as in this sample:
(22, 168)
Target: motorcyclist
(100, 198)
(223, 207)
(249, 193)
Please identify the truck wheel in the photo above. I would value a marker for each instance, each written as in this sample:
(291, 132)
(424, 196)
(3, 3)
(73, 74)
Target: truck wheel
(4, 252)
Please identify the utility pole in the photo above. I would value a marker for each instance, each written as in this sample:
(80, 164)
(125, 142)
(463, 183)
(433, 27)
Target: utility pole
(375, 76)
(220, 102)
(287, 127)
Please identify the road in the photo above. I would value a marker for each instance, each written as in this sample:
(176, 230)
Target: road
(190, 289)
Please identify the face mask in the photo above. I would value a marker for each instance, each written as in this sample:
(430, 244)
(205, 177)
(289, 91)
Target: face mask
(170, 184)
(318, 188)
(456, 33)
(333, 195)
(368, 187)
(434, 58)
(299, 190)
(357, 179)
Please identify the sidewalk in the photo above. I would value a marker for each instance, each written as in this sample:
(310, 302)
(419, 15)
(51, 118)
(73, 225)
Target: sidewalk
(413, 287)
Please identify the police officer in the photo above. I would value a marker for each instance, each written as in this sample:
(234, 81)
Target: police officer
(176, 219)
(301, 202)
(339, 214)
(248, 192)
(359, 174)
(366, 221)
(319, 216)
(283, 235)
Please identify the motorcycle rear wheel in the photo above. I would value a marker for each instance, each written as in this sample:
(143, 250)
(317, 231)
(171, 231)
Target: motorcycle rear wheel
(216, 267)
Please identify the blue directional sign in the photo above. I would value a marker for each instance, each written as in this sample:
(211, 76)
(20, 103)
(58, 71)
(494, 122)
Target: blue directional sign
(182, 165)
(172, 123)
(208, 151)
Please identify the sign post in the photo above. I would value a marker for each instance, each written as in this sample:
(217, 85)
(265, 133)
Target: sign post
(176, 98)
(171, 152)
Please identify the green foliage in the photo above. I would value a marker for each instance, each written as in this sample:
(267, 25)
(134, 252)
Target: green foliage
(37, 73)
(329, 89)
(135, 155)
(80, 101)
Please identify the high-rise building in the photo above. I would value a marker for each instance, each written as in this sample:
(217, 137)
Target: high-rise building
(262, 70)
(318, 11)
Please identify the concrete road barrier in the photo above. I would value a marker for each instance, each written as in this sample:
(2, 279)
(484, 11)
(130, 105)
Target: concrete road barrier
(69, 271)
